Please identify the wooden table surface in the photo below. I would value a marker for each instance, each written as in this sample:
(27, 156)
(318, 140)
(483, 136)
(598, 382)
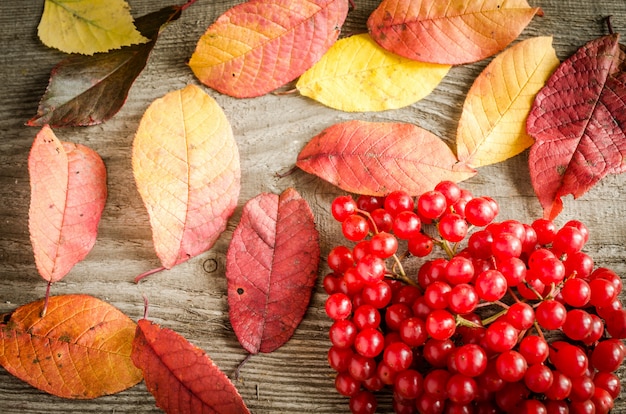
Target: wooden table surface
(270, 131)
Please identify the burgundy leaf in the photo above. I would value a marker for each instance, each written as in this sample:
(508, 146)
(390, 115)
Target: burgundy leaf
(87, 90)
(181, 376)
(578, 121)
(271, 268)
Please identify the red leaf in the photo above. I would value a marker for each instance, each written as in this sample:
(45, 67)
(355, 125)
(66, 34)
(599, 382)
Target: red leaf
(68, 193)
(181, 376)
(271, 268)
(578, 121)
(376, 158)
(260, 45)
(88, 90)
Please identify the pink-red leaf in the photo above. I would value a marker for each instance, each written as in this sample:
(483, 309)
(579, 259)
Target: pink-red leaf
(87, 90)
(80, 349)
(448, 31)
(181, 376)
(376, 158)
(260, 45)
(271, 268)
(68, 193)
(578, 121)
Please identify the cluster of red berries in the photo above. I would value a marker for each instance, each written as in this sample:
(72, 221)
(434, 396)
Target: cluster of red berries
(514, 320)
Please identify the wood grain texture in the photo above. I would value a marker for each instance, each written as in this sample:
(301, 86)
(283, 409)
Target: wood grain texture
(270, 131)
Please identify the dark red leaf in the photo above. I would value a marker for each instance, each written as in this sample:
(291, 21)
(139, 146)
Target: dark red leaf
(87, 90)
(181, 376)
(271, 268)
(578, 121)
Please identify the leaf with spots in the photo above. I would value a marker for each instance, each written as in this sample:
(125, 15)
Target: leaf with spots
(186, 166)
(80, 349)
(182, 377)
(88, 90)
(87, 26)
(68, 194)
(376, 158)
(492, 127)
(449, 32)
(357, 75)
(271, 267)
(260, 45)
(578, 121)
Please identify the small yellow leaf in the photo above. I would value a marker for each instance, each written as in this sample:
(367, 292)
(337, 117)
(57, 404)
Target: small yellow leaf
(87, 26)
(357, 75)
(492, 127)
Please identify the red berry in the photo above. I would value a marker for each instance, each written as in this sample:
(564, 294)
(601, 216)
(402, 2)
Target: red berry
(406, 225)
(363, 402)
(369, 342)
(355, 227)
(342, 207)
(440, 324)
(383, 245)
(397, 202)
(338, 306)
(479, 211)
(452, 227)
(431, 205)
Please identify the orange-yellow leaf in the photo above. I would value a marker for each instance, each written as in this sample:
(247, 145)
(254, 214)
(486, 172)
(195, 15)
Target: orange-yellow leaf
(449, 31)
(68, 193)
(376, 158)
(81, 349)
(357, 75)
(186, 166)
(260, 45)
(492, 127)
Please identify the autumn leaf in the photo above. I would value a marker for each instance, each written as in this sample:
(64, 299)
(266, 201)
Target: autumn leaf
(181, 376)
(260, 45)
(449, 32)
(578, 121)
(375, 158)
(80, 349)
(88, 90)
(68, 194)
(271, 267)
(357, 75)
(186, 166)
(87, 26)
(492, 127)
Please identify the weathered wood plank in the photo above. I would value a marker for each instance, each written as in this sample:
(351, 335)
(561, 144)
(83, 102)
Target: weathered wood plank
(270, 131)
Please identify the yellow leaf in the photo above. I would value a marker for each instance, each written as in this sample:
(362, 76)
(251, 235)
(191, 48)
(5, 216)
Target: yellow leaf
(357, 75)
(186, 166)
(87, 26)
(492, 127)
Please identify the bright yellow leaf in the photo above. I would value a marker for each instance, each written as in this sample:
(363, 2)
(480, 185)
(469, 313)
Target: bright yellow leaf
(87, 26)
(357, 75)
(492, 127)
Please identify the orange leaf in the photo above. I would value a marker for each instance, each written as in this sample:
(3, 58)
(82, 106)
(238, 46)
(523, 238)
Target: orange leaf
(260, 45)
(80, 349)
(376, 158)
(186, 165)
(451, 31)
(68, 193)
(182, 378)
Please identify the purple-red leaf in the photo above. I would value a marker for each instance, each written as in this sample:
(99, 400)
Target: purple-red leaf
(87, 90)
(578, 121)
(260, 45)
(271, 268)
(181, 376)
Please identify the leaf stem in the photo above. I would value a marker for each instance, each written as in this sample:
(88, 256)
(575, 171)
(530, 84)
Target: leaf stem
(148, 273)
(241, 364)
(186, 5)
(609, 25)
(46, 299)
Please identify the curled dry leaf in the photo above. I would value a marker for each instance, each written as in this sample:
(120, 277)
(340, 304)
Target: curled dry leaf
(186, 166)
(81, 349)
(68, 194)
(357, 75)
(87, 26)
(492, 127)
(271, 267)
(578, 121)
(376, 158)
(260, 45)
(88, 90)
(181, 376)
(451, 31)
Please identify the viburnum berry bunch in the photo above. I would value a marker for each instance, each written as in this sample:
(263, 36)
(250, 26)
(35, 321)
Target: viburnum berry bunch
(512, 318)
